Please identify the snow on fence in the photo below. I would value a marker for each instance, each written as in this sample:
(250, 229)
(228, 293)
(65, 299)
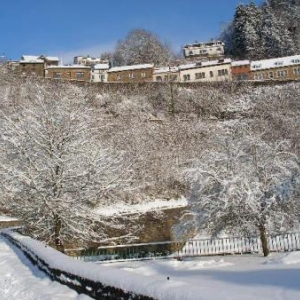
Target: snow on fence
(193, 247)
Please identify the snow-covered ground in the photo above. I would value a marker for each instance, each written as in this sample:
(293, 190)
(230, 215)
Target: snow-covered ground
(239, 277)
(236, 277)
(20, 280)
(125, 209)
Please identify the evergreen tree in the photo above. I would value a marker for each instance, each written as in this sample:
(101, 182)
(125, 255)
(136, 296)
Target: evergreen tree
(246, 35)
(275, 37)
(288, 12)
(271, 30)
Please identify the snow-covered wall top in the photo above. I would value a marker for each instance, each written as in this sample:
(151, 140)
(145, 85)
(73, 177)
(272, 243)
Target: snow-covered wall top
(149, 286)
(158, 204)
(7, 219)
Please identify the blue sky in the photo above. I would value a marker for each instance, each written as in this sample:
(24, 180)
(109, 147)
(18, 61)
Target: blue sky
(71, 27)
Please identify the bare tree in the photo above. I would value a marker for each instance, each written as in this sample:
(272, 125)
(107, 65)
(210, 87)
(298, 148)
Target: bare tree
(141, 46)
(54, 168)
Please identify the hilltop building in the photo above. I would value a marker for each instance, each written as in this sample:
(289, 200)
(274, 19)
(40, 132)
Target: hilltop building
(282, 68)
(73, 72)
(88, 60)
(99, 72)
(204, 51)
(31, 65)
(134, 73)
(217, 70)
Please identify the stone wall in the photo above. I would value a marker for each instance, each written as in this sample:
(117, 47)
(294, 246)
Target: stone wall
(8, 224)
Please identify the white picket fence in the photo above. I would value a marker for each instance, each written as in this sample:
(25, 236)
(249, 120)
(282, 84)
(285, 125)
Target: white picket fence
(193, 247)
(196, 247)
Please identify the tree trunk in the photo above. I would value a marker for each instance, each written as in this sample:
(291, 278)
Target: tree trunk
(264, 240)
(172, 100)
(57, 228)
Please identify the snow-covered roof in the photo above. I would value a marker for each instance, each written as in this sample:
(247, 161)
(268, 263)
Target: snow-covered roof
(133, 67)
(69, 67)
(165, 70)
(37, 59)
(239, 63)
(101, 66)
(31, 59)
(52, 58)
(205, 64)
(275, 62)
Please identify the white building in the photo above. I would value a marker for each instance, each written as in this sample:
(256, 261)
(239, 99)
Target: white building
(99, 72)
(166, 74)
(217, 70)
(204, 51)
(88, 60)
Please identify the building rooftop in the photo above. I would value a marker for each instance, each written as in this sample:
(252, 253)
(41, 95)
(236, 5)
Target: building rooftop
(133, 67)
(166, 70)
(238, 63)
(101, 67)
(69, 67)
(275, 62)
(37, 59)
(205, 64)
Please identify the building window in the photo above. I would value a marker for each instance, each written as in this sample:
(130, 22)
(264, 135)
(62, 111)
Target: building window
(131, 75)
(143, 74)
(271, 75)
(222, 72)
(69, 74)
(297, 72)
(79, 75)
(211, 73)
(278, 63)
(257, 66)
(242, 77)
(200, 75)
(186, 77)
(119, 77)
(158, 78)
(282, 73)
(259, 76)
(102, 77)
(57, 75)
(296, 61)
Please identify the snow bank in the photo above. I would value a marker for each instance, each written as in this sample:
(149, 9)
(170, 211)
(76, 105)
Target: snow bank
(287, 259)
(91, 277)
(125, 209)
